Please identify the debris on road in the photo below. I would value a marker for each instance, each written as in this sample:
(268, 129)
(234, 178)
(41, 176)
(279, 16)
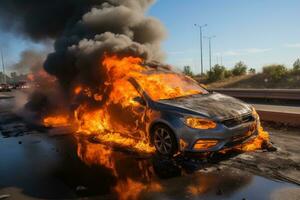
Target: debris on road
(268, 146)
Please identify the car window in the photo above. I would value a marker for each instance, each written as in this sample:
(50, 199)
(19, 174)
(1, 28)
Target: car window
(167, 86)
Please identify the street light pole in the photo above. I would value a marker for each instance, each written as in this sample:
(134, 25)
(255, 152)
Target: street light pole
(201, 53)
(209, 44)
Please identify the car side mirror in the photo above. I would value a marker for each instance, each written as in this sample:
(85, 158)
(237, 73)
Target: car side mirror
(140, 100)
(205, 87)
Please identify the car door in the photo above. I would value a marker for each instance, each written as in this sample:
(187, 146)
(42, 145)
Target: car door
(128, 112)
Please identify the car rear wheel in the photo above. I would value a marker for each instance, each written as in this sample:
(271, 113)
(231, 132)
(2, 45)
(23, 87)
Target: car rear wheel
(164, 140)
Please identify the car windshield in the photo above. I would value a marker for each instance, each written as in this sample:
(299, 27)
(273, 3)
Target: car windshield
(161, 86)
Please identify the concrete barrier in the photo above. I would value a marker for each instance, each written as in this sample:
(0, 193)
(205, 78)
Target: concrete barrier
(291, 119)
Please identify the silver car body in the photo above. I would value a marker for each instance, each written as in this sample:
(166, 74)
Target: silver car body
(235, 122)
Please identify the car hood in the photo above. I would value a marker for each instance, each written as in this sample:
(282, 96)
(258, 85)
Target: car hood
(213, 105)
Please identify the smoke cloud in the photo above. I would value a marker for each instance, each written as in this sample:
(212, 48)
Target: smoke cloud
(31, 61)
(84, 31)
(38, 19)
(116, 26)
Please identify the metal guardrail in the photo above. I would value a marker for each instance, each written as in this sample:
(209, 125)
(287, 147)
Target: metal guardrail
(280, 94)
(278, 116)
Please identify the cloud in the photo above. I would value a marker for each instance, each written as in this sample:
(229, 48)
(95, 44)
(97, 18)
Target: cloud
(245, 51)
(294, 45)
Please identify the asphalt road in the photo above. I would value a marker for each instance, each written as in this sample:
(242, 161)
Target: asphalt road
(40, 163)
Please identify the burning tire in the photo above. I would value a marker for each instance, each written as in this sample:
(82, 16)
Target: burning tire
(164, 140)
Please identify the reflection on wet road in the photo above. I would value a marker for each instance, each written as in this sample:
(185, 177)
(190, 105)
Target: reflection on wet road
(40, 166)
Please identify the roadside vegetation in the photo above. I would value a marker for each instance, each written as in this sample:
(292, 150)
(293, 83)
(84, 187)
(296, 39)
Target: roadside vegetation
(242, 76)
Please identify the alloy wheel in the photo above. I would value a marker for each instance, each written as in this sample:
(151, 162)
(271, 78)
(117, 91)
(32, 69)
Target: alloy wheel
(163, 141)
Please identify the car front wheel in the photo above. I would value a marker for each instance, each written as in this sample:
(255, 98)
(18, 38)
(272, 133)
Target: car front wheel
(164, 140)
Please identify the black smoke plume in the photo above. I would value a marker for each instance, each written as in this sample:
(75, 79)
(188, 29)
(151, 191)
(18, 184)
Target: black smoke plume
(84, 30)
(115, 26)
(41, 19)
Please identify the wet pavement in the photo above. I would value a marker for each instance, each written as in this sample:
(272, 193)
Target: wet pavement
(39, 163)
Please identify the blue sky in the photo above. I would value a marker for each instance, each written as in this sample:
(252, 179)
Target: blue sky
(12, 45)
(258, 32)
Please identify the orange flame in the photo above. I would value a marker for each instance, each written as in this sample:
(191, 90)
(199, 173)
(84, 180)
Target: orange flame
(55, 121)
(120, 112)
(120, 119)
(262, 137)
(77, 90)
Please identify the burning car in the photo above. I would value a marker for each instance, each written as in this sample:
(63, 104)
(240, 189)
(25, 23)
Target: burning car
(200, 122)
(140, 106)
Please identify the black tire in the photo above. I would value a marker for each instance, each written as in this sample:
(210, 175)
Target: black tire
(164, 140)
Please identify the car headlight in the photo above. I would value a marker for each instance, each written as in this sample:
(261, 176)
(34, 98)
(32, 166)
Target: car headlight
(200, 123)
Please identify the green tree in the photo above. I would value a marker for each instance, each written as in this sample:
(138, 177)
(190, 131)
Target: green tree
(228, 73)
(296, 65)
(275, 72)
(187, 71)
(217, 73)
(239, 68)
(252, 71)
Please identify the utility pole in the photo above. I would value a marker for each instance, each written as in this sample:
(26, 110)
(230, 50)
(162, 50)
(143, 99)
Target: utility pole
(3, 68)
(201, 53)
(209, 44)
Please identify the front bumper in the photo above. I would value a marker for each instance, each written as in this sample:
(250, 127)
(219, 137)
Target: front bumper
(225, 137)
